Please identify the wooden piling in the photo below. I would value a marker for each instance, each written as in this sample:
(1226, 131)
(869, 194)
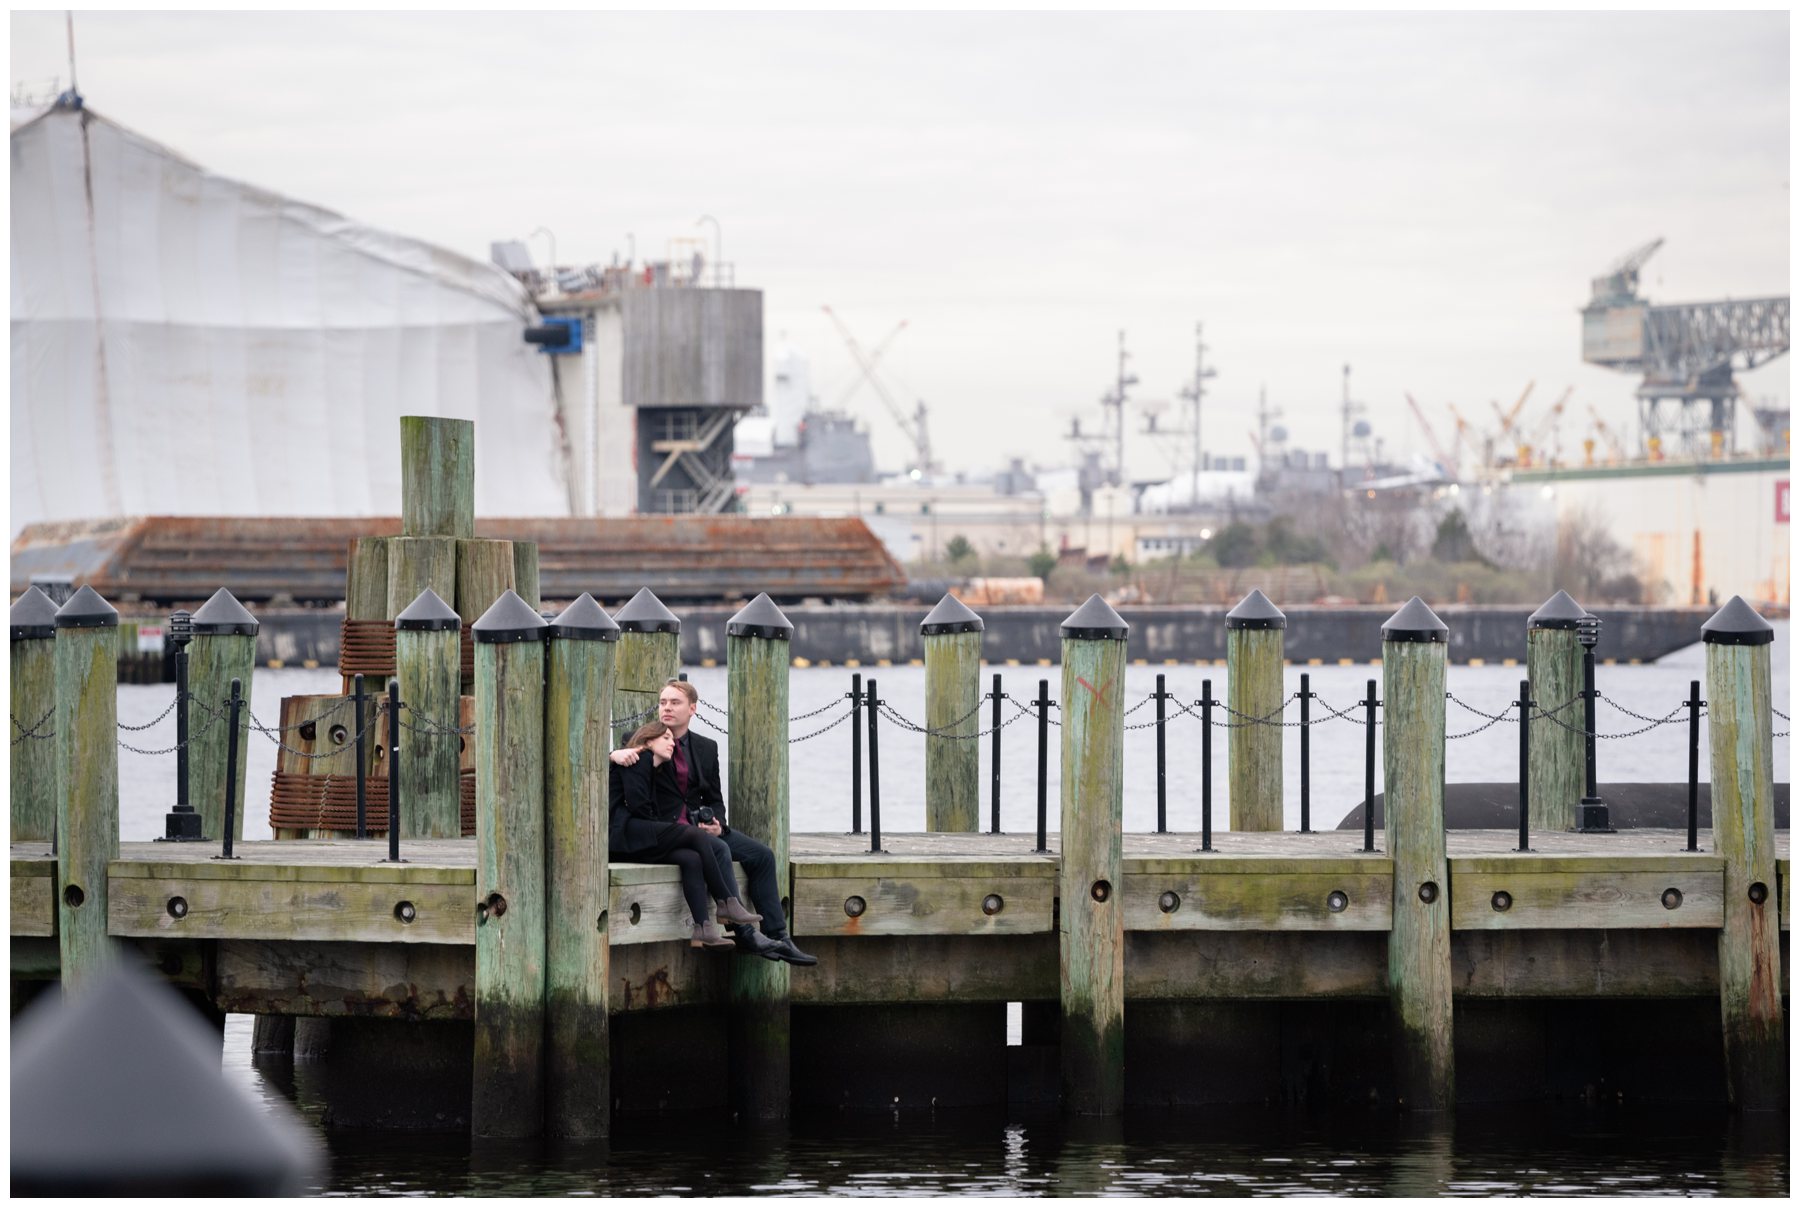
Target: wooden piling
(1743, 810)
(1091, 937)
(649, 656)
(366, 580)
(33, 714)
(577, 968)
(525, 572)
(1254, 645)
(952, 640)
(223, 649)
(484, 569)
(437, 479)
(508, 1098)
(758, 655)
(87, 781)
(1558, 754)
(428, 662)
(415, 564)
(1414, 646)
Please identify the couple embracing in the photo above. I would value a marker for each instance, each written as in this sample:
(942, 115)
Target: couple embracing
(667, 809)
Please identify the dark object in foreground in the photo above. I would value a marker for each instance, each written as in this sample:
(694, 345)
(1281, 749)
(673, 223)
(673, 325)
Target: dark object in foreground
(119, 1093)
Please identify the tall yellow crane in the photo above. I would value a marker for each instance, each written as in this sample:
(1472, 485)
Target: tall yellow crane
(1615, 449)
(1450, 464)
(1531, 441)
(1509, 418)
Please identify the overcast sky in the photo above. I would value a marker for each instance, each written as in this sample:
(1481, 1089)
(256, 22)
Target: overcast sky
(1423, 196)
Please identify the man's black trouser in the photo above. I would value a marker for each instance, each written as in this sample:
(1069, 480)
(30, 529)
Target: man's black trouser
(759, 868)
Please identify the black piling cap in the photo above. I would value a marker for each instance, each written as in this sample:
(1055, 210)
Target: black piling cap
(1736, 624)
(86, 610)
(1415, 622)
(760, 619)
(33, 615)
(644, 613)
(510, 619)
(585, 621)
(125, 1098)
(223, 616)
(427, 614)
(1095, 621)
(950, 616)
(1256, 611)
(1560, 611)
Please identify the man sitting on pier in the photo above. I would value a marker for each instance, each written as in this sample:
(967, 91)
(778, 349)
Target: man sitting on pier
(694, 774)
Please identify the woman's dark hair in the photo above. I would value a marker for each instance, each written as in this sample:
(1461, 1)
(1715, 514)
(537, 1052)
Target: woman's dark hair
(646, 733)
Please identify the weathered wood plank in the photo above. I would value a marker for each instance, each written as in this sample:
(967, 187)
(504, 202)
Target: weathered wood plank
(1558, 768)
(1254, 688)
(87, 780)
(929, 905)
(952, 708)
(648, 912)
(1585, 900)
(437, 478)
(1584, 964)
(33, 776)
(292, 910)
(374, 981)
(1255, 965)
(929, 968)
(1412, 662)
(525, 572)
(33, 905)
(1091, 919)
(263, 872)
(366, 581)
(428, 663)
(214, 660)
(1297, 901)
(415, 563)
(484, 570)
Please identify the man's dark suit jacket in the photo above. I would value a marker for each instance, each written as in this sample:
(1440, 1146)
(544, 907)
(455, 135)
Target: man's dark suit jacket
(704, 782)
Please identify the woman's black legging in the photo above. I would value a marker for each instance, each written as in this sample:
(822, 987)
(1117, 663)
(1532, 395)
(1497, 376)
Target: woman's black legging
(699, 872)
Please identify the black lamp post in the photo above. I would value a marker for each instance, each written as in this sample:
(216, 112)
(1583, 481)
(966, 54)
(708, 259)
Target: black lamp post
(1595, 819)
(183, 822)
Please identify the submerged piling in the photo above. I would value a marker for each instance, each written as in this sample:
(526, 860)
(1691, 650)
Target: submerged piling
(1743, 809)
(508, 1098)
(758, 656)
(1414, 646)
(951, 635)
(1091, 936)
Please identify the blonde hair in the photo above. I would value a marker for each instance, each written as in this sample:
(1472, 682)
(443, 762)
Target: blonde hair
(646, 734)
(688, 690)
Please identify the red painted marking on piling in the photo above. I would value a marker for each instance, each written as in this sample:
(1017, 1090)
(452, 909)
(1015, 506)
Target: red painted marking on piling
(1099, 693)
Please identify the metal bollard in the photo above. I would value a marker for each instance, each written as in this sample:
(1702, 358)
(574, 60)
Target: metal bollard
(1206, 704)
(1595, 817)
(1306, 699)
(393, 762)
(874, 770)
(1043, 815)
(183, 823)
(231, 763)
(1525, 704)
(1694, 704)
(1162, 762)
(856, 698)
(358, 696)
(1369, 703)
(994, 760)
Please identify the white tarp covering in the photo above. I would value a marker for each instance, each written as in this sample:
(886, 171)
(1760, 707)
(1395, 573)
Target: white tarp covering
(184, 344)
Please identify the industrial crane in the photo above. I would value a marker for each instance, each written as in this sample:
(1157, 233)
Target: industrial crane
(915, 425)
(1530, 442)
(1450, 464)
(1688, 354)
(1510, 417)
(1615, 450)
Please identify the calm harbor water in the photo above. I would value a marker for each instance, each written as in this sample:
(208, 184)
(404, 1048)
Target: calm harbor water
(1555, 1149)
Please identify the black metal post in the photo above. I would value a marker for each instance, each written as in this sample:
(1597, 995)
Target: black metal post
(1206, 704)
(1369, 703)
(231, 762)
(1306, 697)
(1694, 704)
(181, 824)
(358, 696)
(874, 770)
(994, 759)
(1043, 817)
(1162, 763)
(1594, 817)
(393, 762)
(1525, 703)
(856, 697)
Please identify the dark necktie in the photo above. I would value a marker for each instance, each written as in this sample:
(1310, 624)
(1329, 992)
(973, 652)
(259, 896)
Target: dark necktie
(681, 769)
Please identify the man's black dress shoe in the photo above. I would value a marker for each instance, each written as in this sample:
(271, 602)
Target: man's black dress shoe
(784, 949)
(751, 942)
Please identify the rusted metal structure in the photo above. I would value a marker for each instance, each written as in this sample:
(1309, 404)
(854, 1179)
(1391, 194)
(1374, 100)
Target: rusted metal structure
(165, 560)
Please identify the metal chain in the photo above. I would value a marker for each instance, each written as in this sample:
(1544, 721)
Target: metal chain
(32, 731)
(191, 738)
(1264, 720)
(158, 717)
(1022, 711)
(828, 705)
(1486, 725)
(827, 728)
(715, 725)
(1641, 717)
(430, 726)
(635, 717)
(1779, 713)
(936, 733)
(349, 743)
(1583, 731)
(1492, 717)
(1348, 712)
